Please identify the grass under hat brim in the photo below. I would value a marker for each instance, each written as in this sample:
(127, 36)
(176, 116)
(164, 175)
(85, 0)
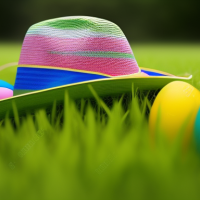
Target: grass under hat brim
(104, 87)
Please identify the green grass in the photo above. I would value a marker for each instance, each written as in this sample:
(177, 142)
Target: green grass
(9, 52)
(99, 152)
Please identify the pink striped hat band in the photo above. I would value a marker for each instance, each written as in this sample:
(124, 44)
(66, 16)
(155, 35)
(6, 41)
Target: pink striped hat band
(69, 50)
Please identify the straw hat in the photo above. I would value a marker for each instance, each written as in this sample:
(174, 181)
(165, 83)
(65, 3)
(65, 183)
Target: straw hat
(69, 53)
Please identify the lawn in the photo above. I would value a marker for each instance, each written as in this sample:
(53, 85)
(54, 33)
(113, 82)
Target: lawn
(95, 151)
(9, 52)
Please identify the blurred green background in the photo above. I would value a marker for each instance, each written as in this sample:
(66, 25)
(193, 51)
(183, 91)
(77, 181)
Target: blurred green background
(141, 20)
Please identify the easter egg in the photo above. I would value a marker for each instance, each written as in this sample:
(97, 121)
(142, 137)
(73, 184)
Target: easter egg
(6, 90)
(197, 131)
(174, 110)
(5, 93)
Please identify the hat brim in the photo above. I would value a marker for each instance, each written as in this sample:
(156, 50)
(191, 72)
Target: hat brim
(31, 101)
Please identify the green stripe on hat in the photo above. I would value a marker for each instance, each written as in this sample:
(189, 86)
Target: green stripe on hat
(96, 54)
(74, 23)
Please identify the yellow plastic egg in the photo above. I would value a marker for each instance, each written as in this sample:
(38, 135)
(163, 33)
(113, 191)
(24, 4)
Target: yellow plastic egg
(174, 109)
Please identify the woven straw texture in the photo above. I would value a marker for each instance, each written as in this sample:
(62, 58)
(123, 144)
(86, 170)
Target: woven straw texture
(80, 43)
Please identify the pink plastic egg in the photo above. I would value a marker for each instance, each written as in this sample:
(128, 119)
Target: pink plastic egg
(5, 93)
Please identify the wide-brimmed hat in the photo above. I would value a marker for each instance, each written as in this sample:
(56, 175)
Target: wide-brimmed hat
(69, 53)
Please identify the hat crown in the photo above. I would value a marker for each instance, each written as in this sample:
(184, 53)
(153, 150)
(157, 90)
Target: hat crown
(79, 43)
